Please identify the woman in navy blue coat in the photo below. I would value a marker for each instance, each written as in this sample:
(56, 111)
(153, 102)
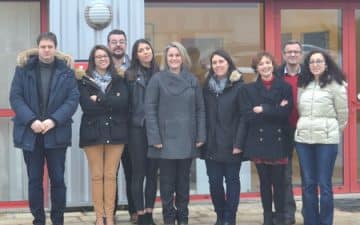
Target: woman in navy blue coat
(222, 151)
(266, 108)
(103, 129)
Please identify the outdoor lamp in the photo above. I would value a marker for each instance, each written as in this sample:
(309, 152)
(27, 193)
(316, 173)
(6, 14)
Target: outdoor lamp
(98, 14)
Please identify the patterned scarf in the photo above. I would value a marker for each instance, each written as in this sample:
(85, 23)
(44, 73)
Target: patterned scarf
(102, 80)
(216, 85)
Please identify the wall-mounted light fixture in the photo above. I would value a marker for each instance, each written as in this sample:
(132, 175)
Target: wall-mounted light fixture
(98, 14)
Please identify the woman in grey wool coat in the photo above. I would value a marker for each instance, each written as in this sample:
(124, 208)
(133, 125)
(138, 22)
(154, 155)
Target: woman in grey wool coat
(175, 122)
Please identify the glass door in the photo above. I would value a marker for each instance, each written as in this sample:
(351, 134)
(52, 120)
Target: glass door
(325, 26)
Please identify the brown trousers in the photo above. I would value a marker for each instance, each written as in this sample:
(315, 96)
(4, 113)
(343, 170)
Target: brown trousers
(103, 163)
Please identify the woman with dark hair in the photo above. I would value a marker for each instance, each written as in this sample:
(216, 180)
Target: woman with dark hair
(142, 68)
(323, 114)
(267, 104)
(103, 128)
(222, 151)
(175, 125)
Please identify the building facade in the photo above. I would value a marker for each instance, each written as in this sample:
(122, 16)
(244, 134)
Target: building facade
(238, 26)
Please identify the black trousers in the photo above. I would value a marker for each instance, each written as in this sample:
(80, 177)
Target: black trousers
(272, 179)
(126, 163)
(142, 167)
(290, 204)
(175, 179)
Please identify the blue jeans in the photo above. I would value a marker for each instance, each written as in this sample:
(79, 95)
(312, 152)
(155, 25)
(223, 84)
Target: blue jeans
(317, 163)
(225, 204)
(35, 161)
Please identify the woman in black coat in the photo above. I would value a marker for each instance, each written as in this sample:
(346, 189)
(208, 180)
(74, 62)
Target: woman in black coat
(143, 67)
(266, 108)
(103, 129)
(222, 151)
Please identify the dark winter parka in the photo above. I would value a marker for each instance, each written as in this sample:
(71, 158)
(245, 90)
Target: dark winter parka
(267, 131)
(104, 121)
(62, 103)
(223, 126)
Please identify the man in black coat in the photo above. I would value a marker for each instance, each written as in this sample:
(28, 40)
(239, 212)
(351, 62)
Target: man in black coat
(289, 72)
(117, 43)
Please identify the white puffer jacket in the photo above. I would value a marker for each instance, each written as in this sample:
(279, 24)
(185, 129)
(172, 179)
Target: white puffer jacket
(323, 113)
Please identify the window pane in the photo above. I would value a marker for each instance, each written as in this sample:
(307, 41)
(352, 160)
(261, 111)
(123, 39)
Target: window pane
(325, 34)
(16, 35)
(203, 27)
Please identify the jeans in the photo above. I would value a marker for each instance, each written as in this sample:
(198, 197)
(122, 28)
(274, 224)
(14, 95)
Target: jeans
(225, 204)
(35, 160)
(317, 163)
(175, 179)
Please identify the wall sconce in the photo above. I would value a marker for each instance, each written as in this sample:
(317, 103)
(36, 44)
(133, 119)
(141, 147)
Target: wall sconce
(98, 14)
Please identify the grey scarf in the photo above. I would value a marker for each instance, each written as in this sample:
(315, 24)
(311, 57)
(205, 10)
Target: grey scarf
(217, 85)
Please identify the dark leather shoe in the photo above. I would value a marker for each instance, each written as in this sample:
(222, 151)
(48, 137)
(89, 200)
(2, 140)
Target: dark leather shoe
(289, 221)
(219, 222)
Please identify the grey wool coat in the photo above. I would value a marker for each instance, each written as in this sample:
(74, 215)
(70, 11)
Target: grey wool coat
(175, 115)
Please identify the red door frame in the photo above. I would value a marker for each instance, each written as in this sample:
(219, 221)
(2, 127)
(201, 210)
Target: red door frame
(272, 44)
(8, 113)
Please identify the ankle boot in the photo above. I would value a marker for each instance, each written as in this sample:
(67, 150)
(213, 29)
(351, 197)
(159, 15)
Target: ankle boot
(149, 219)
(268, 218)
(141, 220)
(279, 219)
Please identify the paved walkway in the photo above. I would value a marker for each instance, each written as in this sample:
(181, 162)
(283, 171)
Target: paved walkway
(347, 212)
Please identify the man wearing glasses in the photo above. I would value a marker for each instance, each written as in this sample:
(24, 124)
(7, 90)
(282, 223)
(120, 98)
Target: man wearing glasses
(117, 44)
(290, 70)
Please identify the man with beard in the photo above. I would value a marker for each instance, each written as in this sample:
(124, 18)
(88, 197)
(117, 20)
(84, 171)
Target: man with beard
(117, 44)
(290, 71)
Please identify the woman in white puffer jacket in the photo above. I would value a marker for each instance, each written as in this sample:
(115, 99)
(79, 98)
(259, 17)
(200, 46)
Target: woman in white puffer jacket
(323, 114)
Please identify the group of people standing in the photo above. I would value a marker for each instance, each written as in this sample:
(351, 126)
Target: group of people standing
(162, 118)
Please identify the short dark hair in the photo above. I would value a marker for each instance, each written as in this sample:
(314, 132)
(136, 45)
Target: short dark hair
(47, 36)
(257, 58)
(116, 32)
(292, 42)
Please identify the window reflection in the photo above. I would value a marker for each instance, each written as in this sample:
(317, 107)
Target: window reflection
(204, 27)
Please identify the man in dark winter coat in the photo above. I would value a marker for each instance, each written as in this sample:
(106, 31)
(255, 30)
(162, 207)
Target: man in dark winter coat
(44, 96)
(289, 72)
(117, 44)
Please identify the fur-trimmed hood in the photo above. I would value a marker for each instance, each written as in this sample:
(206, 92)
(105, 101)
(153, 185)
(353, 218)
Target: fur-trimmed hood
(235, 76)
(80, 73)
(24, 56)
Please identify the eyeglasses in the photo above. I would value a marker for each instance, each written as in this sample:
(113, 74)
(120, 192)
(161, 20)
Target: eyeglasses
(293, 52)
(121, 42)
(101, 57)
(317, 62)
